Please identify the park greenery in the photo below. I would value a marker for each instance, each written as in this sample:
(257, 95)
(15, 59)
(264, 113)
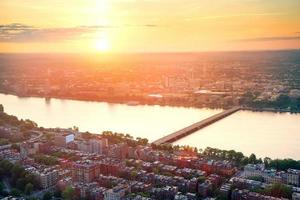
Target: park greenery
(23, 182)
(276, 190)
(65, 155)
(115, 138)
(282, 164)
(24, 125)
(238, 157)
(282, 102)
(45, 159)
(68, 193)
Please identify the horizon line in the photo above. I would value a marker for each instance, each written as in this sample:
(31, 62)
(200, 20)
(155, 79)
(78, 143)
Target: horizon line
(156, 52)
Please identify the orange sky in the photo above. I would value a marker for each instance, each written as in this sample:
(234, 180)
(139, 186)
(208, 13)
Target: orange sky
(148, 25)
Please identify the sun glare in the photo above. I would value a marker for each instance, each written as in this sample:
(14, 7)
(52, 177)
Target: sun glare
(102, 45)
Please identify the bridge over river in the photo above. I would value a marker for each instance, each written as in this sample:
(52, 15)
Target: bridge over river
(196, 126)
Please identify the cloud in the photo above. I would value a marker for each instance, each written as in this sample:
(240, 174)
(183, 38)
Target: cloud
(17, 32)
(25, 33)
(212, 17)
(263, 39)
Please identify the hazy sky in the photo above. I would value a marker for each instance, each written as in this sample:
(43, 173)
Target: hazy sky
(148, 25)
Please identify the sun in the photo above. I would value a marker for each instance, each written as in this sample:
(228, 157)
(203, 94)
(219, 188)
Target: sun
(102, 45)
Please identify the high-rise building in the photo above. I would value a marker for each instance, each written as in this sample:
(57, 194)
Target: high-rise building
(85, 171)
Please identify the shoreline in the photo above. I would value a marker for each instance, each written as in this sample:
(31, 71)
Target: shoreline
(138, 103)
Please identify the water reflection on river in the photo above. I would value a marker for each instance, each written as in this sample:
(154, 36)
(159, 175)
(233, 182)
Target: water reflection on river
(264, 133)
(151, 122)
(276, 135)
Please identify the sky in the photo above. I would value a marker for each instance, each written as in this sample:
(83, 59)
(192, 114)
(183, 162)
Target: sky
(102, 26)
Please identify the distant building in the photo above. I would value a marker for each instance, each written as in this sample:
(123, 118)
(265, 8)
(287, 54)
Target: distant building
(166, 192)
(293, 177)
(119, 151)
(269, 176)
(205, 189)
(253, 170)
(63, 139)
(97, 193)
(63, 183)
(180, 197)
(85, 171)
(27, 149)
(48, 177)
(245, 183)
(225, 190)
(117, 193)
(93, 146)
(296, 196)
(294, 93)
(246, 194)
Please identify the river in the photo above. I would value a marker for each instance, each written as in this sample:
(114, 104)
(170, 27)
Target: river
(276, 135)
(151, 122)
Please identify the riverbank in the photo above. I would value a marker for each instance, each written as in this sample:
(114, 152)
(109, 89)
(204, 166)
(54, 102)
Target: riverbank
(151, 102)
(148, 101)
(269, 110)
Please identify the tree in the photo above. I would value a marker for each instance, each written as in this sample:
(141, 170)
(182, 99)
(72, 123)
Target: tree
(16, 147)
(87, 135)
(245, 161)
(31, 178)
(1, 187)
(32, 198)
(133, 175)
(6, 166)
(201, 179)
(28, 188)
(57, 194)
(239, 157)
(45, 159)
(75, 128)
(267, 161)
(284, 164)
(252, 158)
(283, 101)
(47, 196)
(4, 141)
(68, 193)
(17, 172)
(1, 108)
(15, 192)
(21, 183)
(279, 190)
(298, 103)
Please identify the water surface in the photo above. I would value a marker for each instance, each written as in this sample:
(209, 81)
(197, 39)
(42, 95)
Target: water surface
(150, 122)
(276, 135)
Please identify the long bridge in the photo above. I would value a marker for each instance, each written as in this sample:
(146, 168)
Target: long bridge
(196, 126)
